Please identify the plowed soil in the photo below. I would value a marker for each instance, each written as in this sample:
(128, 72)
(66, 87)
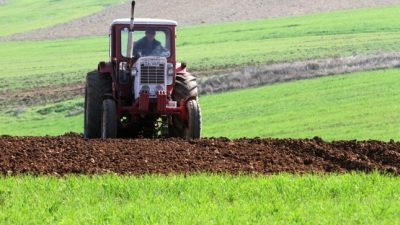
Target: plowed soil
(73, 154)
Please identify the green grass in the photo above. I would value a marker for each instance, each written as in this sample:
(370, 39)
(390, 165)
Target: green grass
(291, 38)
(357, 106)
(24, 15)
(52, 57)
(201, 199)
(51, 119)
(362, 31)
(352, 106)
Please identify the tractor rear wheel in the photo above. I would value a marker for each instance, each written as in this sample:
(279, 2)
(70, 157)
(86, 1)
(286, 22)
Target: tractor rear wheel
(109, 124)
(186, 88)
(97, 85)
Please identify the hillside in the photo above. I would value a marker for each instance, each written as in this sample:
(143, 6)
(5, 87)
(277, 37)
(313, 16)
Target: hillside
(186, 12)
(46, 98)
(239, 54)
(18, 16)
(38, 98)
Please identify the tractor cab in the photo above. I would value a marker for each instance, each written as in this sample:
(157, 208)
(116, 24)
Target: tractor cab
(153, 53)
(162, 32)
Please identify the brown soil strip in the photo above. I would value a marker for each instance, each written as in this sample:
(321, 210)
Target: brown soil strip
(224, 79)
(190, 12)
(40, 95)
(70, 154)
(281, 72)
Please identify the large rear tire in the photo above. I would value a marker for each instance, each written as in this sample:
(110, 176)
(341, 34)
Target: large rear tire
(185, 88)
(109, 124)
(97, 85)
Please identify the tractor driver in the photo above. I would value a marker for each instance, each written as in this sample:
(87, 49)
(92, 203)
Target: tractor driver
(148, 45)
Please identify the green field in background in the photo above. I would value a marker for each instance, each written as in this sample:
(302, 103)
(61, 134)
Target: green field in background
(201, 199)
(351, 106)
(24, 15)
(362, 31)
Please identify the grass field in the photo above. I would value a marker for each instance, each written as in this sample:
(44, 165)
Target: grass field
(25, 15)
(52, 57)
(356, 106)
(201, 199)
(231, 44)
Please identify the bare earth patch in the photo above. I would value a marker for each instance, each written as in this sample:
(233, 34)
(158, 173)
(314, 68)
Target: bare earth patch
(281, 72)
(71, 154)
(190, 12)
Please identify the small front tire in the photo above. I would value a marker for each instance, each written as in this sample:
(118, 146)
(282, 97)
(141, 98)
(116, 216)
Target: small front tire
(193, 128)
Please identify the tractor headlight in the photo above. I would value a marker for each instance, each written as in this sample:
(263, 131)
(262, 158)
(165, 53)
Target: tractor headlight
(170, 73)
(134, 72)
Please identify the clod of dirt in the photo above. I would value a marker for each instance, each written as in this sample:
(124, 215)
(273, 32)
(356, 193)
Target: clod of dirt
(71, 153)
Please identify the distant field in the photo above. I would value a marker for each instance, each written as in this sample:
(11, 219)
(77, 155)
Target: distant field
(229, 44)
(24, 15)
(201, 199)
(291, 38)
(52, 57)
(356, 106)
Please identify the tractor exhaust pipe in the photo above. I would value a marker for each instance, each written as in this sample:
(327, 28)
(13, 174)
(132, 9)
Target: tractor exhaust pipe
(130, 35)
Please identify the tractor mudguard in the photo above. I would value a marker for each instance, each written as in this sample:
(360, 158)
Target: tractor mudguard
(104, 67)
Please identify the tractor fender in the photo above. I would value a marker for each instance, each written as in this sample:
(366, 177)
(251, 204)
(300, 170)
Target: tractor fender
(104, 67)
(180, 68)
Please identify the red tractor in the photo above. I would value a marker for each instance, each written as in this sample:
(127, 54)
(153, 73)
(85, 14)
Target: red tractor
(142, 90)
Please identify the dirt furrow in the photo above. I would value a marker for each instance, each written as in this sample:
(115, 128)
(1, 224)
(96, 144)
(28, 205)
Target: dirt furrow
(70, 154)
(221, 80)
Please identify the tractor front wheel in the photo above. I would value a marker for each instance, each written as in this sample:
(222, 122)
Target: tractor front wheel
(108, 121)
(193, 127)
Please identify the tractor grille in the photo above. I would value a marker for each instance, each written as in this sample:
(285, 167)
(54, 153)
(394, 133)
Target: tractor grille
(152, 74)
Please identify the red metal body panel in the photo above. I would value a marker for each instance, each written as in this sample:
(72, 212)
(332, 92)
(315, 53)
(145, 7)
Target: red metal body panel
(144, 102)
(180, 68)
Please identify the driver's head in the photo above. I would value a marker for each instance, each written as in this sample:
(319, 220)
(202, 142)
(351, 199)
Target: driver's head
(150, 34)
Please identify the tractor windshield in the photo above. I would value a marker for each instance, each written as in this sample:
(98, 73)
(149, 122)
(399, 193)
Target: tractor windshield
(148, 42)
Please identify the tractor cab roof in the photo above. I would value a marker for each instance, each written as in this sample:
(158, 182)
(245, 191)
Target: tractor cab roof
(145, 21)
